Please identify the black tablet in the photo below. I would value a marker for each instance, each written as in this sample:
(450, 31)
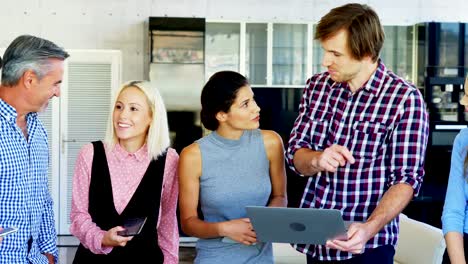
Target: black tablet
(133, 226)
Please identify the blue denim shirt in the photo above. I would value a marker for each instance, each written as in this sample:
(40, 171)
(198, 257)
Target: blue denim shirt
(454, 215)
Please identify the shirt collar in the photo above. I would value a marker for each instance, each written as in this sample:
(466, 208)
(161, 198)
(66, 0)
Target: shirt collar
(7, 111)
(10, 114)
(375, 82)
(122, 154)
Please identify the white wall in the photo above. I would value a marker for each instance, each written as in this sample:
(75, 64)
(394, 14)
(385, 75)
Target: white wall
(122, 24)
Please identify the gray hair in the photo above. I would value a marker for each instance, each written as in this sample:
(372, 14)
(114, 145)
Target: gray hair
(29, 53)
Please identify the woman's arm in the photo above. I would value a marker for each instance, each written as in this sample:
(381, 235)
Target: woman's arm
(168, 231)
(82, 226)
(190, 168)
(455, 247)
(453, 214)
(275, 153)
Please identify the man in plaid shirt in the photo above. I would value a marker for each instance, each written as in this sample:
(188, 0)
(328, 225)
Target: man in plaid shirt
(360, 136)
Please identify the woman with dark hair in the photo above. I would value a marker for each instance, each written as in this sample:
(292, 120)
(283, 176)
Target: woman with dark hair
(237, 165)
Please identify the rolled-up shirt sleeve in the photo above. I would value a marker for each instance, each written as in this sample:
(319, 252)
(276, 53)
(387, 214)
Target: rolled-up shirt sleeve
(47, 240)
(300, 133)
(408, 141)
(454, 212)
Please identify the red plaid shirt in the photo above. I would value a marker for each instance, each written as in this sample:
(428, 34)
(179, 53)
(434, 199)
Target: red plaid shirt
(384, 125)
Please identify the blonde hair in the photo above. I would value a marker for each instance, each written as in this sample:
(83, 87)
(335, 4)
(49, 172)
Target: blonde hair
(157, 139)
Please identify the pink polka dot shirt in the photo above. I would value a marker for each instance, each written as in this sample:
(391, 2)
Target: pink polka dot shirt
(126, 171)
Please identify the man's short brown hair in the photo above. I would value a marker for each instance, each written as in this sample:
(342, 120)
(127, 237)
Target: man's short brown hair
(365, 33)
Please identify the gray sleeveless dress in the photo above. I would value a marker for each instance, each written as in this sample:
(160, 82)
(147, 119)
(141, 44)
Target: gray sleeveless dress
(235, 173)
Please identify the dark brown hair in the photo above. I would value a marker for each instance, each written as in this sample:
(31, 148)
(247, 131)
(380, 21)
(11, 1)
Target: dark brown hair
(365, 33)
(218, 94)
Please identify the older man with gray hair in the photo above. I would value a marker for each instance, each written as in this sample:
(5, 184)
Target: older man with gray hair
(32, 70)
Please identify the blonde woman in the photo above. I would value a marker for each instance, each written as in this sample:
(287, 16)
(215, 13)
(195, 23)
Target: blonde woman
(132, 174)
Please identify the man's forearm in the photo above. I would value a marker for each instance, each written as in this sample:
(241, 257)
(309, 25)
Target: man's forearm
(391, 204)
(304, 160)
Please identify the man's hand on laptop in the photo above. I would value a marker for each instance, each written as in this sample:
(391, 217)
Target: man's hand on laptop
(358, 235)
(239, 230)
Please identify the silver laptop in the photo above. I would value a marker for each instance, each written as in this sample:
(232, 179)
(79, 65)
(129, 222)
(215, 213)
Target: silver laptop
(297, 225)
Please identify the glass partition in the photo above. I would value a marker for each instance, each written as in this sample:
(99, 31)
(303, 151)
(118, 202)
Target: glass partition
(222, 44)
(289, 54)
(421, 57)
(449, 48)
(256, 53)
(397, 51)
(317, 55)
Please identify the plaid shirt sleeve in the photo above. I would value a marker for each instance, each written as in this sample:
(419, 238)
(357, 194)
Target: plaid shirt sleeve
(300, 133)
(408, 142)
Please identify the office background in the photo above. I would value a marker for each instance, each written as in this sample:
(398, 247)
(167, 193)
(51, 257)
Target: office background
(179, 44)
